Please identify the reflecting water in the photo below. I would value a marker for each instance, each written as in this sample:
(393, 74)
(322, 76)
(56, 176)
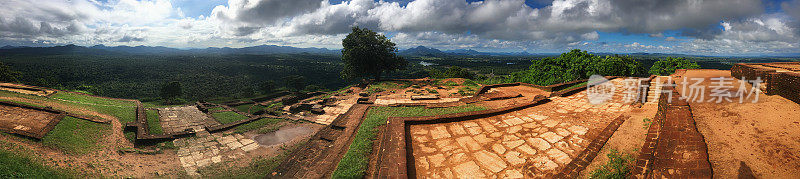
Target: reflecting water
(282, 135)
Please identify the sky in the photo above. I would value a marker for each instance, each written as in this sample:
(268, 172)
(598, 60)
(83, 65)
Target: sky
(698, 27)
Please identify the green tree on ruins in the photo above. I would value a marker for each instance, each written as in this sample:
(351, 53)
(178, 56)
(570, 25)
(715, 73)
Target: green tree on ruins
(8, 75)
(367, 53)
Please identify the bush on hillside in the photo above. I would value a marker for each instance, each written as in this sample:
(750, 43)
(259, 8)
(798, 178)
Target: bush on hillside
(575, 65)
(452, 72)
(668, 66)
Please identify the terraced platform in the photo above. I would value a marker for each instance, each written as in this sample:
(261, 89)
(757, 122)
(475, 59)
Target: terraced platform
(542, 140)
(28, 120)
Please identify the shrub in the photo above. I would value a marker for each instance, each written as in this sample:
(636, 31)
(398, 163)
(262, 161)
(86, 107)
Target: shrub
(452, 72)
(669, 65)
(619, 166)
(575, 65)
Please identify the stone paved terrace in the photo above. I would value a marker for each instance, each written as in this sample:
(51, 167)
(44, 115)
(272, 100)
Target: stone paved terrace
(533, 142)
(332, 112)
(206, 149)
(176, 119)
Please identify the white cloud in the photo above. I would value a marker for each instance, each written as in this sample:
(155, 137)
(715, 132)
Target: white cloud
(447, 24)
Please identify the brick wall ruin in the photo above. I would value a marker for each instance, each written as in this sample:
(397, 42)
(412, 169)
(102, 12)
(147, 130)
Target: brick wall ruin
(778, 80)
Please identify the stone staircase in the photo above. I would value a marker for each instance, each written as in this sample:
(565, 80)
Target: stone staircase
(653, 92)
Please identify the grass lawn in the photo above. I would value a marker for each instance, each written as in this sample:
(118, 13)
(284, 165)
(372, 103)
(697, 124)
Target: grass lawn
(154, 122)
(228, 117)
(257, 124)
(15, 166)
(389, 85)
(20, 102)
(91, 99)
(124, 111)
(252, 108)
(354, 162)
(216, 109)
(75, 136)
(18, 162)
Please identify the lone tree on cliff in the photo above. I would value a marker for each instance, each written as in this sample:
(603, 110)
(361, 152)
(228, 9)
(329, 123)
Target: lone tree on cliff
(368, 53)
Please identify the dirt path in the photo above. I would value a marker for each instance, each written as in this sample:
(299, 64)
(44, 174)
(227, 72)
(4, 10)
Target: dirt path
(628, 137)
(763, 135)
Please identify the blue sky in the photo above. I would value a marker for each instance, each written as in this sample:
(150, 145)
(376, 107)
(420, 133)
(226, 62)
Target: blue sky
(710, 27)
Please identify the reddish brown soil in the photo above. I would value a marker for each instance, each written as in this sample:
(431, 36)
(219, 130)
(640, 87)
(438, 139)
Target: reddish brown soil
(629, 137)
(456, 80)
(762, 135)
(25, 119)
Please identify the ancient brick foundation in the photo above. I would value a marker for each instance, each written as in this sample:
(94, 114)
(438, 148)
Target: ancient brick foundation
(54, 116)
(779, 78)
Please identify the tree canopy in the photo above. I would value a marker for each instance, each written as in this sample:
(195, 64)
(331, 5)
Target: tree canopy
(295, 82)
(669, 65)
(575, 65)
(8, 75)
(172, 90)
(367, 53)
(452, 72)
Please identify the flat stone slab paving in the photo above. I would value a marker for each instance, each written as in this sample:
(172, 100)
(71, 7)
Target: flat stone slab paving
(534, 142)
(177, 119)
(332, 112)
(208, 148)
(13, 118)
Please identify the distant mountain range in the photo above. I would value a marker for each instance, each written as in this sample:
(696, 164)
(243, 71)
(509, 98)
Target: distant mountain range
(261, 49)
(144, 50)
(419, 51)
(432, 52)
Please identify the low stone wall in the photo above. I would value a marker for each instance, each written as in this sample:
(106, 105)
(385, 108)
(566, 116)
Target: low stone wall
(785, 84)
(751, 72)
(143, 129)
(468, 100)
(562, 93)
